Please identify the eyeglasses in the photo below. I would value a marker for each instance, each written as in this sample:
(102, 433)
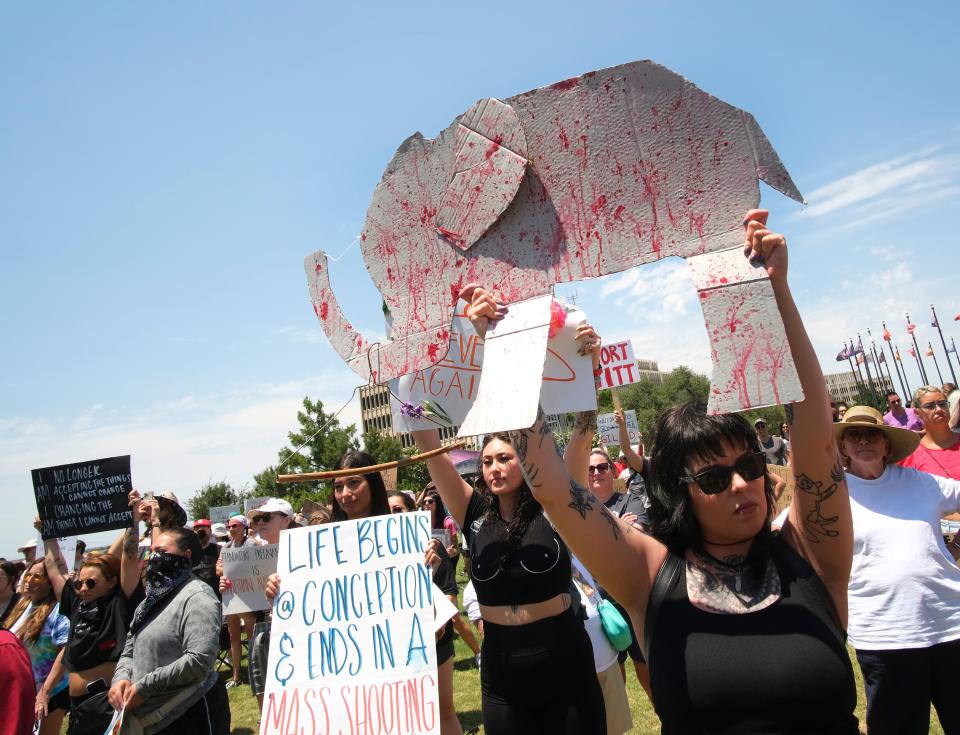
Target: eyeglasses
(78, 584)
(935, 404)
(428, 501)
(759, 425)
(31, 575)
(894, 402)
(265, 518)
(602, 467)
(717, 479)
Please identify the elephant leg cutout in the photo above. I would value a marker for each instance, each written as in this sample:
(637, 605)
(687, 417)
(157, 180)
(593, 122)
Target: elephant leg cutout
(752, 363)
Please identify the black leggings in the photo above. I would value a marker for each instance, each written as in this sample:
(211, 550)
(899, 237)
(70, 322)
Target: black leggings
(540, 678)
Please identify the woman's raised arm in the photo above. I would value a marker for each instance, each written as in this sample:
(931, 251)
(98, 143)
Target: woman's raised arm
(819, 525)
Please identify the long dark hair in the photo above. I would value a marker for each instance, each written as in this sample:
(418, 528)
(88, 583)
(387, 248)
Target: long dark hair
(378, 491)
(439, 512)
(527, 506)
(685, 433)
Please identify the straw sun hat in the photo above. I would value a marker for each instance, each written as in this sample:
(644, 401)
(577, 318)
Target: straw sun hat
(902, 441)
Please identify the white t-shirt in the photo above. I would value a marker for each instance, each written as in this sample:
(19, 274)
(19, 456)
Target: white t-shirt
(904, 587)
(470, 604)
(604, 655)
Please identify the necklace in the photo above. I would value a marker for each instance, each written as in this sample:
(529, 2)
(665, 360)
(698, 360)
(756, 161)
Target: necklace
(737, 568)
(938, 463)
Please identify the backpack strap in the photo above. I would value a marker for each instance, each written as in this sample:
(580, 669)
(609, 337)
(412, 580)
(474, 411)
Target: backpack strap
(666, 578)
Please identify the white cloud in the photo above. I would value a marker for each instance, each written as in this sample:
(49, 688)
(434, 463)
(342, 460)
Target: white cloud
(176, 445)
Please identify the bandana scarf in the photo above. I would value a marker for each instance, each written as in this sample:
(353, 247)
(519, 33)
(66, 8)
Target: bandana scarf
(166, 573)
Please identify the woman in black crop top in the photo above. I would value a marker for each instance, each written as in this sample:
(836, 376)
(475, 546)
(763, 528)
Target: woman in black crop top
(537, 672)
(100, 603)
(744, 629)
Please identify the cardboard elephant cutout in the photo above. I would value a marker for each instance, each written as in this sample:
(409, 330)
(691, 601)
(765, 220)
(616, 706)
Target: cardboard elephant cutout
(587, 177)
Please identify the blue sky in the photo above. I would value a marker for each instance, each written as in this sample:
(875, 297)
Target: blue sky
(165, 168)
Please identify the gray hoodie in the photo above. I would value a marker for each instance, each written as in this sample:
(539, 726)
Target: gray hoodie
(170, 659)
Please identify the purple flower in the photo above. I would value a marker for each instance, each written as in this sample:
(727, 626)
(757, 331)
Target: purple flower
(414, 412)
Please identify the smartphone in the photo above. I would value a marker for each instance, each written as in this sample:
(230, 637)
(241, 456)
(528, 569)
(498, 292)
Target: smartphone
(97, 686)
(147, 495)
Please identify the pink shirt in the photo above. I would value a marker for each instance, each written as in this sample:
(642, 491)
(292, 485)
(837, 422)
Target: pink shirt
(941, 462)
(909, 420)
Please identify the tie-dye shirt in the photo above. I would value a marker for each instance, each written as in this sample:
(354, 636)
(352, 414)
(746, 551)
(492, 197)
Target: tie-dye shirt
(43, 652)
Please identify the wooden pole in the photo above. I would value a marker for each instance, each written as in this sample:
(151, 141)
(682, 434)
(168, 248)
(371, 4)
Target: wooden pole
(350, 471)
(616, 399)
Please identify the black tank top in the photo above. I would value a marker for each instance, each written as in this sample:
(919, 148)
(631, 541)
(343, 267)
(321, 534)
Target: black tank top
(783, 669)
(538, 569)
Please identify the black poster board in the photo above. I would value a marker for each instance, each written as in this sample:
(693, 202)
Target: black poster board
(84, 497)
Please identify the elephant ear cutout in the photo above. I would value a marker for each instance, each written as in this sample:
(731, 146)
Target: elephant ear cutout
(490, 161)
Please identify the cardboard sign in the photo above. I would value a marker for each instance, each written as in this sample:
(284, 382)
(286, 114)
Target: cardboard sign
(565, 384)
(84, 497)
(247, 568)
(589, 176)
(352, 647)
(618, 366)
(610, 432)
(786, 474)
(220, 513)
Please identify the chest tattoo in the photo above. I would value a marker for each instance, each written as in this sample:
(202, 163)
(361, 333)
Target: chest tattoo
(730, 585)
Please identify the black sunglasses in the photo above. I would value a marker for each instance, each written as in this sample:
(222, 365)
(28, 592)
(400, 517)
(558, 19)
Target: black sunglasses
(602, 467)
(717, 479)
(78, 584)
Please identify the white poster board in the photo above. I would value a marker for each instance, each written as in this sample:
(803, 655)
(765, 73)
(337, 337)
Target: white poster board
(253, 503)
(618, 366)
(352, 646)
(248, 569)
(565, 378)
(68, 550)
(610, 432)
(220, 513)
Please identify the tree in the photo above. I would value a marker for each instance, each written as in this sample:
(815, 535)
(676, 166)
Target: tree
(211, 495)
(320, 442)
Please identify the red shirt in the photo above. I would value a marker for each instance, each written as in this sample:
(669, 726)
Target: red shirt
(942, 462)
(17, 692)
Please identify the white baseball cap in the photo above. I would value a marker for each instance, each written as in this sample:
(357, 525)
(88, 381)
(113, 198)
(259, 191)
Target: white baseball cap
(273, 505)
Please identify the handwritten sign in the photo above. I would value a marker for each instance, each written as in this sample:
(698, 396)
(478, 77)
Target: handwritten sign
(253, 503)
(565, 378)
(610, 432)
(83, 497)
(221, 513)
(352, 646)
(247, 568)
(618, 366)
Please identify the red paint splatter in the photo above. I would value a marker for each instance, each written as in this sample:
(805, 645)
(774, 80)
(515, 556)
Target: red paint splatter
(432, 351)
(723, 279)
(317, 268)
(618, 213)
(598, 204)
(566, 84)
(564, 140)
(363, 236)
(324, 310)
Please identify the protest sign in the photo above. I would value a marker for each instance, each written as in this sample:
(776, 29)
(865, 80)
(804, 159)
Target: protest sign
(618, 366)
(247, 568)
(83, 497)
(253, 503)
(565, 379)
(786, 474)
(220, 513)
(610, 432)
(352, 646)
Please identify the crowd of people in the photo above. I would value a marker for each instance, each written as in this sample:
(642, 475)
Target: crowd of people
(734, 618)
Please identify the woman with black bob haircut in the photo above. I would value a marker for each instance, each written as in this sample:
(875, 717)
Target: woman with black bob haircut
(358, 496)
(683, 433)
(713, 591)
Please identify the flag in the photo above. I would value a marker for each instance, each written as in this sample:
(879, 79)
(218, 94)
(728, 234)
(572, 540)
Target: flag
(912, 352)
(898, 355)
(953, 347)
(860, 358)
(883, 358)
(929, 352)
(957, 318)
(933, 319)
(842, 355)
(886, 334)
(910, 327)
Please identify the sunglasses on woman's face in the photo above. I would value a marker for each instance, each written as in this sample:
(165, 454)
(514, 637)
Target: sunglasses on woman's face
(31, 576)
(265, 518)
(935, 404)
(717, 479)
(602, 467)
(428, 501)
(79, 584)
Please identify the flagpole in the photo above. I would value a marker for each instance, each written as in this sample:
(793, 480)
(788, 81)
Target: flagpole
(935, 363)
(916, 354)
(944, 342)
(866, 366)
(862, 385)
(876, 361)
(906, 380)
(893, 357)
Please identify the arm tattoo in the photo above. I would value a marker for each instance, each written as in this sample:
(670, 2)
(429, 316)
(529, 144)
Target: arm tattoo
(585, 423)
(581, 499)
(815, 524)
(130, 543)
(614, 524)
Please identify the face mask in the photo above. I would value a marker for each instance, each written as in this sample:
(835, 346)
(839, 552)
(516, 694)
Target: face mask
(163, 567)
